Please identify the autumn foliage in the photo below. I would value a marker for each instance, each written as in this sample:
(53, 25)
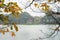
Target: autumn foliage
(14, 9)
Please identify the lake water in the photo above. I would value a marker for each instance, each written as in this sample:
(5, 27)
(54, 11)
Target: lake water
(31, 32)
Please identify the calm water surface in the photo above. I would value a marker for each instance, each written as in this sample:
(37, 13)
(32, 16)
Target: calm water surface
(28, 32)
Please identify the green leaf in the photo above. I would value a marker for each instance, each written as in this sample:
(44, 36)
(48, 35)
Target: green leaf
(11, 28)
(4, 5)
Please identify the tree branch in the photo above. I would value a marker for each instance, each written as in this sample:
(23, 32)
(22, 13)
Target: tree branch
(29, 4)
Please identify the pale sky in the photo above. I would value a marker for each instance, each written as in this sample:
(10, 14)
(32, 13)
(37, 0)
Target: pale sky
(28, 9)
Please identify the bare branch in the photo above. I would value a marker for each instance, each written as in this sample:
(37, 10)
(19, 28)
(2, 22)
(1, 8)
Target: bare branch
(51, 35)
(29, 4)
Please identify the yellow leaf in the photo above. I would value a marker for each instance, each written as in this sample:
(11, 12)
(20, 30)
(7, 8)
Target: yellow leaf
(6, 30)
(3, 32)
(50, 0)
(12, 34)
(35, 4)
(58, 0)
(43, 4)
(17, 14)
(16, 28)
(15, 3)
(6, 9)
(2, 0)
(0, 5)
(13, 13)
(6, 19)
(14, 9)
(11, 8)
(0, 30)
(45, 7)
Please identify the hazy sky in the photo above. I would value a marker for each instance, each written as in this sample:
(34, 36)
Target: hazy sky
(28, 9)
